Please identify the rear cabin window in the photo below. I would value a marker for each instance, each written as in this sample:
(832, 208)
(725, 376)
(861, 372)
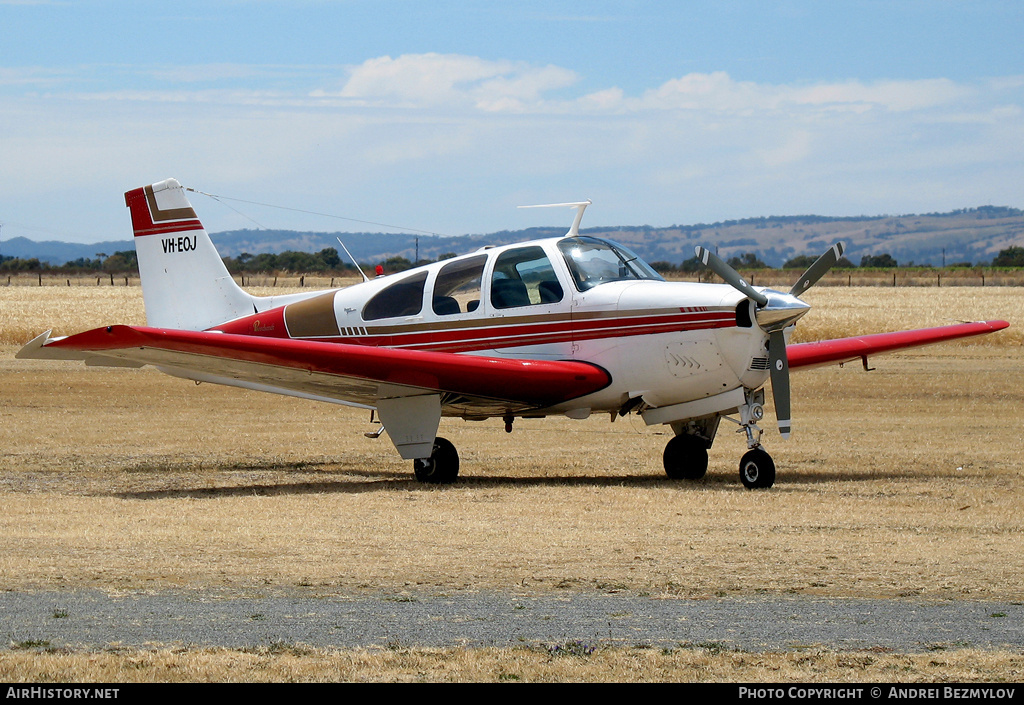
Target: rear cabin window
(404, 298)
(524, 277)
(457, 287)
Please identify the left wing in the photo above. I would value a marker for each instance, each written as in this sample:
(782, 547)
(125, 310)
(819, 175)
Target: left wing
(859, 347)
(349, 374)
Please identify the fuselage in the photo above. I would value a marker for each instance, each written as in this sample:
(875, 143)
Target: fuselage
(572, 298)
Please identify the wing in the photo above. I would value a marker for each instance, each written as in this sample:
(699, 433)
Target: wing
(350, 374)
(859, 347)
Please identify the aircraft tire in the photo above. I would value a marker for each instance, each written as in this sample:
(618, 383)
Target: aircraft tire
(685, 458)
(757, 470)
(442, 467)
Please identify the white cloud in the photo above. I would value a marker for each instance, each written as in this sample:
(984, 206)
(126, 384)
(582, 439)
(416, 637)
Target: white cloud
(455, 133)
(425, 80)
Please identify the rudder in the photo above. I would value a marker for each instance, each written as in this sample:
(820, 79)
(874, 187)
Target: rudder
(185, 284)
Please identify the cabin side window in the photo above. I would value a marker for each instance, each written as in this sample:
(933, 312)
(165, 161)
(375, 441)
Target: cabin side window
(404, 298)
(457, 287)
(524, 277)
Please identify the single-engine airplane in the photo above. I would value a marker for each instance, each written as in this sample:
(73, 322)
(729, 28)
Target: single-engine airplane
(564, 326)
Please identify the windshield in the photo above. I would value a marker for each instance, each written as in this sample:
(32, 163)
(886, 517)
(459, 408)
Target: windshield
(592, 262)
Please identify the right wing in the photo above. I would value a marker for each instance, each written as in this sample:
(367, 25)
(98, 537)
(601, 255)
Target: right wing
(858, 347)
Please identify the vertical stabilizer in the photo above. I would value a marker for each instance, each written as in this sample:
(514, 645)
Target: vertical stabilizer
(184, 281)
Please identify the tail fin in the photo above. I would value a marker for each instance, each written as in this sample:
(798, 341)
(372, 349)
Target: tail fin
(185, 284)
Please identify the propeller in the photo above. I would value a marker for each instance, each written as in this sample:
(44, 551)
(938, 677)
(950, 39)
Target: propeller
(775, 311)
(818, 269)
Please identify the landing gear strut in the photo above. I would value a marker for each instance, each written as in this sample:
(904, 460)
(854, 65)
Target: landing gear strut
(442, 467)
(757, 469)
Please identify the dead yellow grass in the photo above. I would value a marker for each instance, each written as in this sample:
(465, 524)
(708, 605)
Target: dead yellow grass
(296, 663)
(27, 311)
(902, 482)
(839, 312)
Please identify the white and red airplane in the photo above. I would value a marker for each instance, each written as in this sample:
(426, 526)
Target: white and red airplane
(565, 326)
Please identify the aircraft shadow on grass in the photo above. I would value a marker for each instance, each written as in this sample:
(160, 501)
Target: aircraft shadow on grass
(383, 481)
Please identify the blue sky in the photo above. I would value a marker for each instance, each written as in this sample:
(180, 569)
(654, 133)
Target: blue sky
(443, 116)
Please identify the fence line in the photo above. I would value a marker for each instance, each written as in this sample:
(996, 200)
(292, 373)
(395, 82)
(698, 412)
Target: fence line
(773, 278)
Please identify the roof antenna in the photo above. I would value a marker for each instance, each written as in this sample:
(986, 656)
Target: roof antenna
(358, 268)
(580, 206)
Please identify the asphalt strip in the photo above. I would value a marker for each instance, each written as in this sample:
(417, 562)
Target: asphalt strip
(93, 619)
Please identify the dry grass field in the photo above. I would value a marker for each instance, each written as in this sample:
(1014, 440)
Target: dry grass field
(904, 482)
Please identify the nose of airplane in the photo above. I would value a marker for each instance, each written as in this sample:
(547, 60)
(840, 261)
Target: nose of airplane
(781, 310)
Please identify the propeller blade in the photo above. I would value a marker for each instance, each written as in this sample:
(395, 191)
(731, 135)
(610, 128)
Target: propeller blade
(719, 267)
(779, 362)
(817, 270)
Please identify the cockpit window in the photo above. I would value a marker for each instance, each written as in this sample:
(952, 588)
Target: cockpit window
(404, 298)
(592, 261)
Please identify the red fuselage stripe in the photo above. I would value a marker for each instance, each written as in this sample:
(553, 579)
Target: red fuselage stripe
(566, 331)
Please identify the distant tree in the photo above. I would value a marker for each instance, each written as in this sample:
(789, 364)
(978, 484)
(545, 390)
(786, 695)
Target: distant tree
(799, 262)
(690, 265)
(663, 267)
(1010, 257)
(330, 258)
(16, 264)
(292, 261)
(748, 260)
(446, 255)
(84, 263)
(123, 261)
(881, 261)
(395, 264)
(843, 263)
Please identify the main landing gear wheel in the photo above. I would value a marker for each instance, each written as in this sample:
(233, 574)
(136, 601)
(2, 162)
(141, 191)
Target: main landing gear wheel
(442, 467)
(757, 470)
(686, 458)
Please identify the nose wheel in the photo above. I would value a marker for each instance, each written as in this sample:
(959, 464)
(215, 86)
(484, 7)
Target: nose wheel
(757, 470)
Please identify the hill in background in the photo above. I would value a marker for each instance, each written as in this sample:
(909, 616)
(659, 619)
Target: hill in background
(972, 235)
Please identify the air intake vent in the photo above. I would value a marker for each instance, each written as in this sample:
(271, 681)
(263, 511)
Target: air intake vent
(759, 363)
